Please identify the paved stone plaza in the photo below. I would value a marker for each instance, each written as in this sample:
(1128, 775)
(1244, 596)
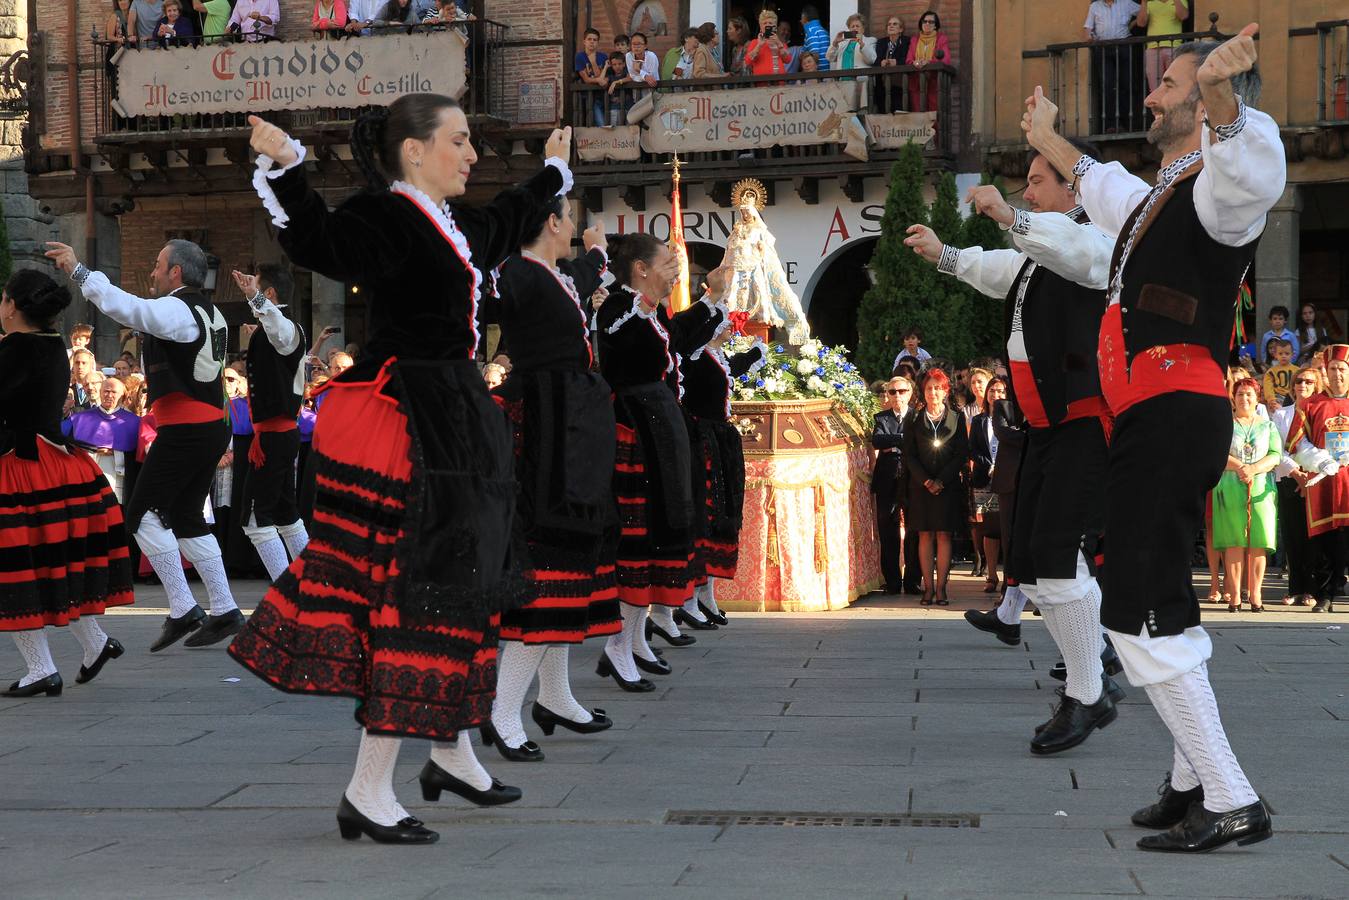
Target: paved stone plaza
(163, 779)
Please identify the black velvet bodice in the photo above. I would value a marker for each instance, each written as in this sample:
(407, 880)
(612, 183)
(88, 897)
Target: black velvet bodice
(34, 379)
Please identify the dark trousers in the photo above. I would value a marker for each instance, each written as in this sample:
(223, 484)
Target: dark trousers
(1333, 547)
(1293, 536)
(1114, 75)
(176, 477)
(1155, 507)
(1060, 501)
(913, 568)
(887, 527)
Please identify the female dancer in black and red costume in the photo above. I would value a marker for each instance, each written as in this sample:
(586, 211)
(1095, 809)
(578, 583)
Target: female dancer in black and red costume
(63, 550)
(396, 600)
(638, 342)
(564, 442)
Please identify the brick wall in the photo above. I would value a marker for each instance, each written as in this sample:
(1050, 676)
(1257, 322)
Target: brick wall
(229, 228)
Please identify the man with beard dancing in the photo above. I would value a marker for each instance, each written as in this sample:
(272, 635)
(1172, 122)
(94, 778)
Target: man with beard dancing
(1184, 247)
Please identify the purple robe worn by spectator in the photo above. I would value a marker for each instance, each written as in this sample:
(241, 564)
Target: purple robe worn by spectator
(241, 417)
(114, 434)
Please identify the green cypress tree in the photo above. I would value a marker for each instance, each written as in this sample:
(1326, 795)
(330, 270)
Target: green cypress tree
(905, 286)
(954, 342)
(985, 312)
(6, 261)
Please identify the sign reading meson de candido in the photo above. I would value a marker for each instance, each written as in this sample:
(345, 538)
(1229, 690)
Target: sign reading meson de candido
(251, 77)
(810, 113)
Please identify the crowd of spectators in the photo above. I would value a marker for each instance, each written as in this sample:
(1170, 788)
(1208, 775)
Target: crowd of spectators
(152, 24)
(948, 448)
(619, 77)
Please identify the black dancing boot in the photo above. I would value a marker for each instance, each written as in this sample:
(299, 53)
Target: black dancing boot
(216, 629)
(989, 621)
(175, 630)
(1170, 809)
(1201, 831)
(1072, 723)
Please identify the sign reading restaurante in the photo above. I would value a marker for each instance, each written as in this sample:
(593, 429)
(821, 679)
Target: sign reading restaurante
(251, 77)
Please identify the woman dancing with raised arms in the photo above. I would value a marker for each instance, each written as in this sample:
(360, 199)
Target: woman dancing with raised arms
(397, 599)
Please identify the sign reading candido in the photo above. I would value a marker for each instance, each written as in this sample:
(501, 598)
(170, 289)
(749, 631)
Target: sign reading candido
(251, 77)
(749, 118)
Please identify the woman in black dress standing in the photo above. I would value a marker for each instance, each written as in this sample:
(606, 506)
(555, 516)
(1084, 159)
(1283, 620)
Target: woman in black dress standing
(65, 558)
(936, 450)
(397, 599)
(563, 419)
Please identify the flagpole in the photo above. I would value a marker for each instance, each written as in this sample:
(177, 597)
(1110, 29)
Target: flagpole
(680, 297)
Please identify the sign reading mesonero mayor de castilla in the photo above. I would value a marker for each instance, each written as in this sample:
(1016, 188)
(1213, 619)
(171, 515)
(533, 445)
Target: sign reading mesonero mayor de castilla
(251, 77)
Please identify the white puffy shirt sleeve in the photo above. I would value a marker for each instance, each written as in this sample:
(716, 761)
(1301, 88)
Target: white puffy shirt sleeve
(281, 332)
(1109, 193)
(991, 272)
(167, 318)
(1244, 174)
(1077, 252)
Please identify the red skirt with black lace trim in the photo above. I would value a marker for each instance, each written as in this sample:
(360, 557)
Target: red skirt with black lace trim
(712, 558)
(331, 624)
(63, 543)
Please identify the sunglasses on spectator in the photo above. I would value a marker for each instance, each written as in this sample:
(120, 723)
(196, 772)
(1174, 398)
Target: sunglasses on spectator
(905, 391)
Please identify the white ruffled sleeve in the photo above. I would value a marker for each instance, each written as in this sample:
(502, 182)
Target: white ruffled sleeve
(266, 173)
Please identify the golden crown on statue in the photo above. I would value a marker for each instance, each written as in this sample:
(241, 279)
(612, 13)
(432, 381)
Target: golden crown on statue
(751, 190)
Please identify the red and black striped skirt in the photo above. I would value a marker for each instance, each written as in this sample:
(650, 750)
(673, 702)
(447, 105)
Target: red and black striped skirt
(63, 544)
(647, 573)
(712, 558)
(332, 623)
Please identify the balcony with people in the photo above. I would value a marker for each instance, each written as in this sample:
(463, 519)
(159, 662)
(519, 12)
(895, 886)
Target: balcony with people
(1100, 82)
(765, 102)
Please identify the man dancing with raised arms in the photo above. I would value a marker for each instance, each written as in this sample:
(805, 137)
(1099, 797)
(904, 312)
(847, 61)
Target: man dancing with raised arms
(1054, 289)
(184, 355)
(1183, 249)
(276, 383)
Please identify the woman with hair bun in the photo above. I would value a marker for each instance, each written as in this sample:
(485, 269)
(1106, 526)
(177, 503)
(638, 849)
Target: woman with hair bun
(65, 554)
(563, 421)
(397, 600)
(639, 342)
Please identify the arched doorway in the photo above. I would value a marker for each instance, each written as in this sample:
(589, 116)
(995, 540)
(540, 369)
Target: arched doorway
(835, 292)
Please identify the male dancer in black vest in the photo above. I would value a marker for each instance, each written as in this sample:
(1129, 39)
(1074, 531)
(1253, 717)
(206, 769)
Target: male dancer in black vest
(275, 362)
(1051, 324)
(1183, 250)
(183, 350)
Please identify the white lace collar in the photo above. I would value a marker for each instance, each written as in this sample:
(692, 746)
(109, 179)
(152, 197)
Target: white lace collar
(641, 310)
(443, 219)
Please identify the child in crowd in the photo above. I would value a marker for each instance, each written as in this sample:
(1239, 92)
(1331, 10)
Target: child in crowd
(913, 339)
(1278, 321)
(592, 68)
(80, 336)
(1278, 381)
(621, 100)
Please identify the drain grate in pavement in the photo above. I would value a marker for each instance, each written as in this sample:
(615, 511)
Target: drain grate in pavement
(820, 820)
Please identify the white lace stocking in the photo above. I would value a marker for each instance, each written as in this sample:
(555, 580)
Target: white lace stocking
(36, 655)
(516, 666)
(458, 758)
(555, 686)
(91, 637)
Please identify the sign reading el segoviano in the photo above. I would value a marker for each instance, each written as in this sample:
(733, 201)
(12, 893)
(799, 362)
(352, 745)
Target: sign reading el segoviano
(252, 77)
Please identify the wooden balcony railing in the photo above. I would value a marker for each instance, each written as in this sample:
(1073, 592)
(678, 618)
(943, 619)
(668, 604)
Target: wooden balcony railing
(871, 92)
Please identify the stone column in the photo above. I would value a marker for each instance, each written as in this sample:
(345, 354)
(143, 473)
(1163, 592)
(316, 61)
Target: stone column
(1276, 260)
(73, 229)
(327, 306)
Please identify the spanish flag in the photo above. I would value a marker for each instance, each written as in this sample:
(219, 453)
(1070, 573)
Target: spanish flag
(679, 295)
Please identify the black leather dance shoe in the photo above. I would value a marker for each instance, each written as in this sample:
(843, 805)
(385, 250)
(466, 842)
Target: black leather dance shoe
(434, 779)
(1201, 831)
(51, 686)
(1109, 687)
(605, 667)
(658, 667)
(989, 621)
(1072, 723)
(682, 617)
(674, 640)
(718, 618)
(1109, 662)
(1324, 606)
(111, 650)
(353, 823)
(216, 629)
(526, 752)
(548, 720)
(1170, 809)
(175, 630)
